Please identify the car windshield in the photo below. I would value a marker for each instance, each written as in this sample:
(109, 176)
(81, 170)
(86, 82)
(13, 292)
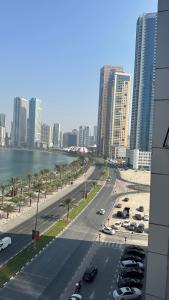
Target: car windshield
(119, 291)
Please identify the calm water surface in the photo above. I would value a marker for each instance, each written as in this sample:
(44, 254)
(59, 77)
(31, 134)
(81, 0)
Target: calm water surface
(20, 163)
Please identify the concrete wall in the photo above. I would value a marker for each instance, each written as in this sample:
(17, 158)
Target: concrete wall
(157, 283)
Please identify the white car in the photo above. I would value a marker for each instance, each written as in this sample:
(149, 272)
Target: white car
(131, 263)
(75, 297)
(125, 223)
(146, 217)
(126, 293)
(102, 211)
(5, 242)
(108, 230)
(117, 225)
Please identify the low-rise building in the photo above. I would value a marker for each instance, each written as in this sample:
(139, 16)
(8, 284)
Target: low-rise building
(138, 159)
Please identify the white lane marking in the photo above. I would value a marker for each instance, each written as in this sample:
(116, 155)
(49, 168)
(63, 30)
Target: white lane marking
(107, 259)
(92, 295)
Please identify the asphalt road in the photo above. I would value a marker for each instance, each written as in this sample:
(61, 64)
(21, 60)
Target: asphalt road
(22, 234)
(49, 274)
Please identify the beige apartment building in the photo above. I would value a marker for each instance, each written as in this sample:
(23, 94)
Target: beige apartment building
(113, 111)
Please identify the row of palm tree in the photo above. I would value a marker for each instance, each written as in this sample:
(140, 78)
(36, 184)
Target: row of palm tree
(21, 192)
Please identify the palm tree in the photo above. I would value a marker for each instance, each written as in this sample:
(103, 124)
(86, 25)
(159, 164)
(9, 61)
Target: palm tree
(29, 180)
(30, 195)
(2, 187)
(18, 200)
(7, 208)
(69, 202)
(13, 181)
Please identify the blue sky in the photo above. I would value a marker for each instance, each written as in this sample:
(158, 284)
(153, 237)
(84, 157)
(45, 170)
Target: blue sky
(54, 49)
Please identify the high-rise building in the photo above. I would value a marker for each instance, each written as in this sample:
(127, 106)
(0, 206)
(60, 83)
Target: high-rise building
(81, 136)
(56, 135)
(2, 120)
(84, 133)
(2, 130)
(2, 136)
(157, 273)
(86, 136)
(144, 78)
(46, 137)
(113, 111)
(95, 135)
(34, 134)
(19, 129)
(69, 139)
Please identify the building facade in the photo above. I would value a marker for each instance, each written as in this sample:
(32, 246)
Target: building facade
(2, 136)
(56, 135)
(69, 139)
(113, 111)
(34, 133)
(157, 274)
(19, 127)
(2, 120)
(144, 82)
(84, 133)
(46, 137)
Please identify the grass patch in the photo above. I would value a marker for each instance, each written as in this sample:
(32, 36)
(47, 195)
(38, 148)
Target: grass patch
(15, 264)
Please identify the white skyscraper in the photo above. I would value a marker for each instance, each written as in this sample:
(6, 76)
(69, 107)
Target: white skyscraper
(34, 133)
(19, 132)
(56, 135)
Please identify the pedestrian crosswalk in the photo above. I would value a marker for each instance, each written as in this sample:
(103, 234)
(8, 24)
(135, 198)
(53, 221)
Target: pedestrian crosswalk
(112, 245)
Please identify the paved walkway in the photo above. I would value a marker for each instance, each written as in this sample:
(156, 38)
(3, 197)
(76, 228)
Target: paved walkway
(28, 212)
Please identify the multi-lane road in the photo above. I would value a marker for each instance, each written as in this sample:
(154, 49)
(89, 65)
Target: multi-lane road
(21, 234)
(49, 275)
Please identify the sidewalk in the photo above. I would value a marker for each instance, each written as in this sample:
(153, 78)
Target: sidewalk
(27, 212)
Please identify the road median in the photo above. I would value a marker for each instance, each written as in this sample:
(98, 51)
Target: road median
(25, 256)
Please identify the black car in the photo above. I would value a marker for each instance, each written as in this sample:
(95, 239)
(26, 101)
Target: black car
(132, 273)
(140, 208)
(131, 257)
(131, 282)
(119, 214)
(134, 247)
(126, 199)
(138, 217)
(90, 273)
(135, 253)
(140, 228)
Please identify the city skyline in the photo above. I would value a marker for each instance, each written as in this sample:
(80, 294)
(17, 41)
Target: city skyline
(50, 51)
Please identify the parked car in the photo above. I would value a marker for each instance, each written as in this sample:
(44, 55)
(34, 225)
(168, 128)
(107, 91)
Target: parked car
(76, 297)
(116, 226)
(146, 217)
(126, 199)
(131, 264)
(134, 247)
(126, 212)
(108, 230)
(138, 216)
(131, 257)
(126, 223)
(130, 282)
(90, 273)
(102, 211)
(132, 226)
(135, 252)
(118, 205)
(140, 228)
(132, 273)
(119, 214)
(140, 208)
(125, 293)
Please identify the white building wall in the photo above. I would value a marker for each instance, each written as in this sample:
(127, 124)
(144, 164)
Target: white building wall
(157, 279)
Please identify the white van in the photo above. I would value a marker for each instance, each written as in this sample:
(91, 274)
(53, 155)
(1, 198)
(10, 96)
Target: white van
(5, 242)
